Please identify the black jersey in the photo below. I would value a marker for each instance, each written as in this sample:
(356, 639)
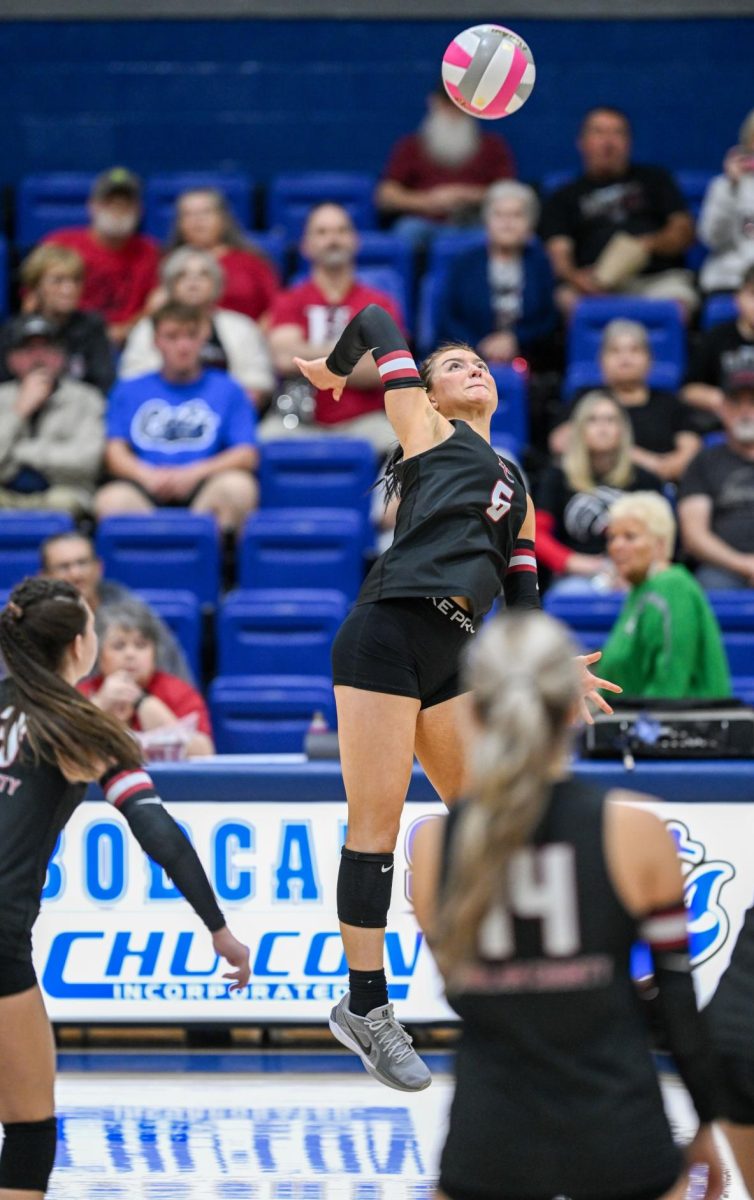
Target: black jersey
(556, 1091)
(461, 510)
(36, 800)
(730, 1012)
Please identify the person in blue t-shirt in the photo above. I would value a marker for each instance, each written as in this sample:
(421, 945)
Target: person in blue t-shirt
(183, 436)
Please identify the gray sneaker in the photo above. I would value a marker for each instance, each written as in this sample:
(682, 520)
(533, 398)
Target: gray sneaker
(383, 1046)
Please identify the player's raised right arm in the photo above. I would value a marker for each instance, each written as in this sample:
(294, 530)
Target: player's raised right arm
(416, 423)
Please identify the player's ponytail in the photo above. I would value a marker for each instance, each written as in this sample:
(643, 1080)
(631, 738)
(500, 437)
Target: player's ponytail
(524, 685)
(38, 624)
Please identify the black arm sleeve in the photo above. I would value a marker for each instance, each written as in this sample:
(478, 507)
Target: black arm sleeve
(162, 839)
(373, 329)
(684, 1027)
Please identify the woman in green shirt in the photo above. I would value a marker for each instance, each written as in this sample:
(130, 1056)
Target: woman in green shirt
(666, 641)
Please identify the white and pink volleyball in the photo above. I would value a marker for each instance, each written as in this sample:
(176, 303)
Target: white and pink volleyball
(488, 71)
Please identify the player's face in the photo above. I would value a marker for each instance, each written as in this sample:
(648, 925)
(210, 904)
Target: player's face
(633, 549)
(602, 429)
(74, 560)
(200, 221)
(330, 238)
(130, 651)
(180, 346)
(624, 361)
(605, 144)
(461, 384)
(82, 653)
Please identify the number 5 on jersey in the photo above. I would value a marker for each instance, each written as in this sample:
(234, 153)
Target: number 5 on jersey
(500, 501)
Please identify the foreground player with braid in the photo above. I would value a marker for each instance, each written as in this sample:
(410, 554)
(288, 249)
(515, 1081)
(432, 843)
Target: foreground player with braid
(531, 894)
(53, 742)
(464, 533)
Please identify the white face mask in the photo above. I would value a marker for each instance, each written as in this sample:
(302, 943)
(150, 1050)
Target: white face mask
(449, 140)
(115, 225)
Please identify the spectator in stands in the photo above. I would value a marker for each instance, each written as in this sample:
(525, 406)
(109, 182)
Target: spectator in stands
(307, 320)
(71, 556)
(52, 278)
(51, 427)
(167, 714)
(184, 435)
(716, 495)
(619, 227)
(499, 297)
(204, 222)
(438, 175)
(235, 343)
(726, 219)
(666, 641)
(663, 427)
(574, 499)
(120, 265)
(719, 352)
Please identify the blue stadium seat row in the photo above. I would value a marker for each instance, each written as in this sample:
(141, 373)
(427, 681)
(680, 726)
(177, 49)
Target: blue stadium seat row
(268, 714)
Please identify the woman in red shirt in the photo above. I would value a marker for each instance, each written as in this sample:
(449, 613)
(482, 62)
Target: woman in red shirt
(130, 687)
(204, 222)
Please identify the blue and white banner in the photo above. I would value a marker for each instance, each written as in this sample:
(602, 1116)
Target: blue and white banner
(116, 942)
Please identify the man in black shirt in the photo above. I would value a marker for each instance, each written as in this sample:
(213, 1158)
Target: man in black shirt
(620, 227)
(723, 349)
(716, 495)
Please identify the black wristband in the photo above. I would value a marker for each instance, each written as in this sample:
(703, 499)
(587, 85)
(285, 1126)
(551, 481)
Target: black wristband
(374, 329)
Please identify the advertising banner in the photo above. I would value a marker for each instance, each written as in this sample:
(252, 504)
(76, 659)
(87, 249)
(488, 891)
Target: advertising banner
(116, 942)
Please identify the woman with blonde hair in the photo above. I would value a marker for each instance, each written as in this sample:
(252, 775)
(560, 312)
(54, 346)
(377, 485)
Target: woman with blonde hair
(531, 894)
(666, 641)
(574, 497)
(52, 280)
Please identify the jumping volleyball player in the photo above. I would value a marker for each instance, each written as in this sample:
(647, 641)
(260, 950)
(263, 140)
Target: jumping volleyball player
(52, 742)
(532, 894)
(465, 530)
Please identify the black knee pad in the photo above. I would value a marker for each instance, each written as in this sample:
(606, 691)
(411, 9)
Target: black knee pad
(365, 882)
(28, 1154)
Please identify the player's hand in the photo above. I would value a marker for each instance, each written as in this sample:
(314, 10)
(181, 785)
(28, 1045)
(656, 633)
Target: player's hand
(589, 685)
(321, 377)
(236, 954)
(702, 1151)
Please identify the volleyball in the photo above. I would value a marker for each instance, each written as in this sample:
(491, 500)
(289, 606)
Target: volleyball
(488, 71)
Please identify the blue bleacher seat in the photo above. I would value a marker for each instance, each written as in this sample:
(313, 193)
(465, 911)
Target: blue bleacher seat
(181, 613)
(664, 326)
(267, 714)
(740, 650)
(510, 421)
(4, 278)
(170, 549)
(552, 181)
(693, 185)
(20, 537)
(445, 247)
(49, 201)
(717, 309)
(273, 245)
(292, 195)
(161, 192)
(321, 472)
(278, 631)
(303, 547)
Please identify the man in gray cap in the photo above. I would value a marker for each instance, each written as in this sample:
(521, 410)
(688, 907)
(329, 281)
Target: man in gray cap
(716, 495)
(120, 263)
(51, 426)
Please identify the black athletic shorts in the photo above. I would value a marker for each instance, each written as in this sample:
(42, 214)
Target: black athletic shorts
(408, 647)
(16, 975)
(655, 1193)
(737, 1075)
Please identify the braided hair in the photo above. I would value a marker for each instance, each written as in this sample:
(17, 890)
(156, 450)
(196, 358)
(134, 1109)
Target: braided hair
(38, 624)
